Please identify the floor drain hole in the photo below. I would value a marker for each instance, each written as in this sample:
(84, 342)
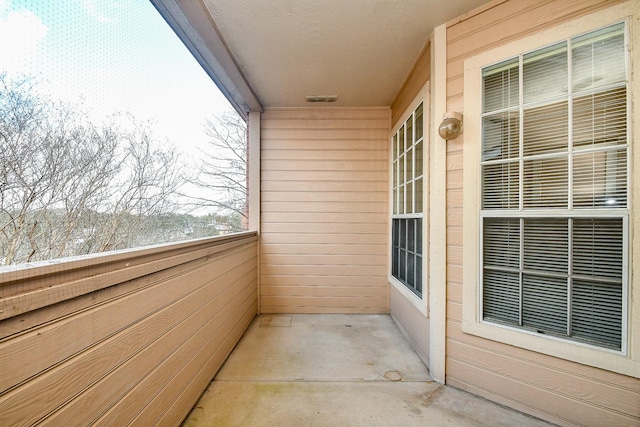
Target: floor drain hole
(393, 376)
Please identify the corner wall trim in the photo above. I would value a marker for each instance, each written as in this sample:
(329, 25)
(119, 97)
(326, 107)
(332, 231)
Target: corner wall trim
(438, 212)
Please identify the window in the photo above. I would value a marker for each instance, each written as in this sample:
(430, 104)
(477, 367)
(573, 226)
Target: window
(407, 151)
(554, 199)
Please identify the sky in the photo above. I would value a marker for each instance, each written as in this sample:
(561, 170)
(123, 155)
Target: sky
(110, 56)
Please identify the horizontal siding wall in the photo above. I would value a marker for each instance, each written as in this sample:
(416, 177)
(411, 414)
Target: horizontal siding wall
(324, 210)
(557, 390)
(128, 337)
(416, 80)
(413, 324)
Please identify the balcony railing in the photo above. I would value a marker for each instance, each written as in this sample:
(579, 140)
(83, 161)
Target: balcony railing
(124, 337)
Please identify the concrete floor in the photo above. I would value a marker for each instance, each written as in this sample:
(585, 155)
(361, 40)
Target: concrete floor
(336, 370)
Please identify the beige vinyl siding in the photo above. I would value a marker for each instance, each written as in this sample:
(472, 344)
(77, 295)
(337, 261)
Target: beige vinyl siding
(324, 210)
(138, 344)
(413, 324)
(414, 83)
(557, 390)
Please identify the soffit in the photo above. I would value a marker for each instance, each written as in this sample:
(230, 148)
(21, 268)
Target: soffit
(360, 50)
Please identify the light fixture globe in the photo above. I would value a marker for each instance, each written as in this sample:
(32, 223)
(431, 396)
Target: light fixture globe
(451, 126)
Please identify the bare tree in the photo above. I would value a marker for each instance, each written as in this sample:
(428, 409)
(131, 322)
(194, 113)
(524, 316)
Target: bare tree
(23, 169)
(68, 186)
(143, 189)
(222, 168)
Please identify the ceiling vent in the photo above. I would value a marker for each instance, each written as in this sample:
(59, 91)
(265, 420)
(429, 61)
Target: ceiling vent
(322, 98)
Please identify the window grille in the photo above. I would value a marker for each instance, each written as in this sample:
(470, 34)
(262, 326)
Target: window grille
(554, 189)
(408, 153)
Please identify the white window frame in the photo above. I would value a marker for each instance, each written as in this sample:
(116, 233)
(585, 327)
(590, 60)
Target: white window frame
(421, 303)
(626, 361)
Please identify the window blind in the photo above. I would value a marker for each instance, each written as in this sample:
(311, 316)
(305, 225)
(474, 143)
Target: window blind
(554, 189)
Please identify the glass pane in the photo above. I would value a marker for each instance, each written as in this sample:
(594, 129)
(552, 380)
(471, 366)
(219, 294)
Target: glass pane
(545, 74)
(401, 209)
(600, 179)
(419, 275)
(403, 234)
(596, 312)
(544, 304)
(546, 129)
(501, 296)
(409, 125)
(546, 183)
(418, 196)
(419, 123)
(419, 236)
(401, 140)
(410, 171)
(501, 243)
(409, 193)
(395, 173)
(500, 85)
(546, 245)
(501, 136)
(394, 145)
(411, 272)
(395, 186)
(599, 58)
(395, 262)
(501, 186)
(600, 118)
(411, 235)
(395, 201)
(597, 247)
(395, 250)
(396, 233)
(419, 161)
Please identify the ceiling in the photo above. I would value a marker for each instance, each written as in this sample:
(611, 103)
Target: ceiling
(286, 50)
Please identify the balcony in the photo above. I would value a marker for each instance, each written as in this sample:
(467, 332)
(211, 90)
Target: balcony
(134, 337)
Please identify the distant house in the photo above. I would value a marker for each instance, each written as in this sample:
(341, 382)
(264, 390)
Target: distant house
(506, 253)
(223, 228)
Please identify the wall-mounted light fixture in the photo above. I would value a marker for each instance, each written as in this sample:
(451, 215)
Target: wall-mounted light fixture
(451, 126)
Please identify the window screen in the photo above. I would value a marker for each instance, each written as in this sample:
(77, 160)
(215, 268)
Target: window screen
(108, 133)
(554, 189)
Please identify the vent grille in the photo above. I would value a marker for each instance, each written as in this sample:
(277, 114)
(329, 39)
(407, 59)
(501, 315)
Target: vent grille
(322, 98)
